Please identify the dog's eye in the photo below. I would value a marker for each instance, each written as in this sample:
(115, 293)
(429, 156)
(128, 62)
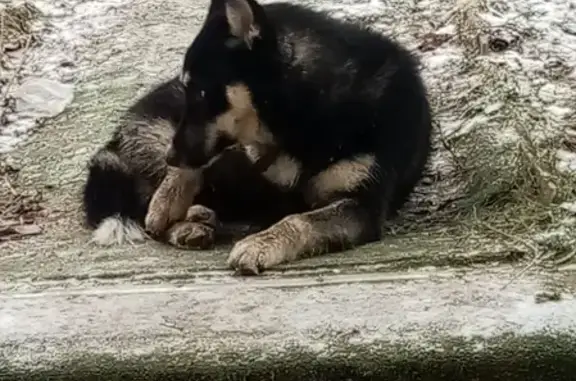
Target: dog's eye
(199, 94)
(194, 93)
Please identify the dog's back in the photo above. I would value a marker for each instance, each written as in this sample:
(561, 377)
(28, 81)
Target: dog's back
(359, 91)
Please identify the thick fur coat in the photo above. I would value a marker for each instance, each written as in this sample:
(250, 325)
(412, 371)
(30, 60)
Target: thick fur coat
(332, 123)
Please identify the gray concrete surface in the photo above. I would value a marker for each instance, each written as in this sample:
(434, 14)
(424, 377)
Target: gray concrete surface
(419, 306)
(417, 325)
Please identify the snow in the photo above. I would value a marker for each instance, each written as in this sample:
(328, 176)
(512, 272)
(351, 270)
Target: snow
(67, 29)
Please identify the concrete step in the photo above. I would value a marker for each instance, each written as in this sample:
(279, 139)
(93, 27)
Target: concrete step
(435, 324)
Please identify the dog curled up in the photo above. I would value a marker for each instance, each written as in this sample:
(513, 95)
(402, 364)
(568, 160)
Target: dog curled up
(130, 188)
(331, 119)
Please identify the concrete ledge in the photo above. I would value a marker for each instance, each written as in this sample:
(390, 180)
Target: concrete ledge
(505, 358)
(425, 325)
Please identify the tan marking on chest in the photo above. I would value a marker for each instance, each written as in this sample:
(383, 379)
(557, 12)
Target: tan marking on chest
(343, 176)
(284, 171)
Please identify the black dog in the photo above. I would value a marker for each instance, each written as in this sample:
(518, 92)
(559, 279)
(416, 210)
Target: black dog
(130, 185)
(344, 109)
(334, 117)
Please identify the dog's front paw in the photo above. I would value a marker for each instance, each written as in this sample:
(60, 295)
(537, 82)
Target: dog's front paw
(191, 236)
(256, 253)
(156, 221)
(171, 200)
(202, 215)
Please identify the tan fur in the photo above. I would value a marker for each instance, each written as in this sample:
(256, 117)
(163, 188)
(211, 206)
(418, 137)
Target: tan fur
(342, 176)
(190, 235)
(202, 214)
(241, 21)
(172, 199)
(295, 236)
(314, 232)
(196, 232)
(240, 122)
(284, 171)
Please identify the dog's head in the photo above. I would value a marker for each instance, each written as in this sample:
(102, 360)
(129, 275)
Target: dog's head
(233, 53)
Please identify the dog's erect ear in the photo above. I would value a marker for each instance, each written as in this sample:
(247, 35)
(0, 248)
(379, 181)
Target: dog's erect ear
(241, 21)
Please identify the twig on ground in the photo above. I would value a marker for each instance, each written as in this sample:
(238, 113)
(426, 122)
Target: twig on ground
(16, 72)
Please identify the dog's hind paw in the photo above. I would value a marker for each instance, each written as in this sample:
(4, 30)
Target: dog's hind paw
(202, 215)
(191, 236)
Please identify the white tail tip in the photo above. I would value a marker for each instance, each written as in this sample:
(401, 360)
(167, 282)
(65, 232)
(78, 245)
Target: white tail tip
(115, 231)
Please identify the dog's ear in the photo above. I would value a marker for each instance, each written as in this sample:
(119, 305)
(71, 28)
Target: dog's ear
(240, 17)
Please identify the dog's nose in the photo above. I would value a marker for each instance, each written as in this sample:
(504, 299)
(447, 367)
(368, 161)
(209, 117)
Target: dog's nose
(172, 158)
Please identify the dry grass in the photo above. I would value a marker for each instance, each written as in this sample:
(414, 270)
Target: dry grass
(18, 207)
(16, 26)
(16, 35)
(502, 163)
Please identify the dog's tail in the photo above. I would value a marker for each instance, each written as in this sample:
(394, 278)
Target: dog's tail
(113, 206)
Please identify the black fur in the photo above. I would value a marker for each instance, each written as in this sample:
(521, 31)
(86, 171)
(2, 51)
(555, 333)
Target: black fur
(111, 191)
(345, 104)
(354, 92)
(123, 175)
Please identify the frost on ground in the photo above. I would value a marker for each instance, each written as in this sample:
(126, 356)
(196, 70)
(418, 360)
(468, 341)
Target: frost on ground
(18, 35)
(502, 80)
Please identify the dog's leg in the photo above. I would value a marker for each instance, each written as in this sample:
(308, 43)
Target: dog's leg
(196, 232)
(341, 224)
(172, 199)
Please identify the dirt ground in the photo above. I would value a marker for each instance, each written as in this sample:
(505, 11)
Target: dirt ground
(501, 78)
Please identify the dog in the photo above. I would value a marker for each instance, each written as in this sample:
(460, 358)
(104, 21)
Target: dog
(130, 192)
(340, 113)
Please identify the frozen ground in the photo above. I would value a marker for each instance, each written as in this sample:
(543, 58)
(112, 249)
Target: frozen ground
(494, 70)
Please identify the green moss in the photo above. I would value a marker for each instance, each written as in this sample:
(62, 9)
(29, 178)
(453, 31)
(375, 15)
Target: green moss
(506, 358)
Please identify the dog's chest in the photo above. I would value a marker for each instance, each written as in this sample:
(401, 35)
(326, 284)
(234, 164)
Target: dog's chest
(284, 171)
